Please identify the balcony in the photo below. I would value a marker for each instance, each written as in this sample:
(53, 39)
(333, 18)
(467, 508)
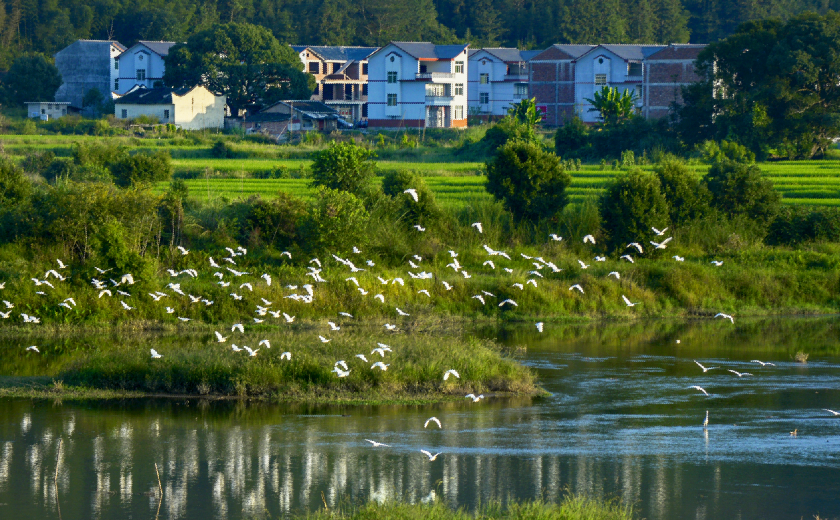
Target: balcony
(517, 77)
(433, 76)
(438, 101)
(633, 79)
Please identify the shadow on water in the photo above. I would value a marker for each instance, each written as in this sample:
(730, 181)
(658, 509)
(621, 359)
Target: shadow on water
(621, 420)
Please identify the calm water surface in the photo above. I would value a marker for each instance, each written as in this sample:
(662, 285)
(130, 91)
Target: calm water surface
(621, 421)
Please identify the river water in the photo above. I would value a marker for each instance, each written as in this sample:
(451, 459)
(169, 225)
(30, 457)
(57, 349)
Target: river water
(621, 421)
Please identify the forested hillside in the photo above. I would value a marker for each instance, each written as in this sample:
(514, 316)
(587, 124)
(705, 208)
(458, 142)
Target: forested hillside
(48, 25)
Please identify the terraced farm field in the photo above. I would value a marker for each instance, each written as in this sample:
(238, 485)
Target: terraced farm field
(813, 182)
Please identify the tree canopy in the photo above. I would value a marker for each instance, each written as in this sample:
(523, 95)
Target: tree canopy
(32, 77)
(771, 85)
(244, 62)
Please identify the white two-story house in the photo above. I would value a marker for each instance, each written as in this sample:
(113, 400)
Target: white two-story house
(140, 65)
(418, 85)
(618, 66)
(498, 78)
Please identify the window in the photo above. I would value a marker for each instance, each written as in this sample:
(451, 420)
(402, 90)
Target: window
(317, 89)
(116, 84)
(124, 114)
(520, 90)
(166, 114)
(392, 100)
(634, 69)
(141, 74)
(336, 67)
(600, 79)
(459, 112)
(364, 68)
(435, 90)
(392, 77)
(459, 67)
(484, 98)
(116, 64)
(314, 67)
(484, 78)
(459, 89)
(43, 110)
(364, 89)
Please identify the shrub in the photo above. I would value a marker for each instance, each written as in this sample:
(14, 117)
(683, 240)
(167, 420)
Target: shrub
(506, 130)
(344, 166)
(687, 197)
(335, 221)
(425, 209)
(528, 180)
(222, 150)
(37, 162)
(14, 186)
(713, 152)
(739, 189)
(142, 168)
(273, 221)
(630, 206)
(793, 226)
(572, 138)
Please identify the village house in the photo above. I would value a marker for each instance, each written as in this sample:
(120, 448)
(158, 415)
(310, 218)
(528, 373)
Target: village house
(498, 78)
(277, 120)
(418, 85)
(85, 65)
(342, 76)
(563, 77)
(141, 65)
(46, 110)
(194, 108)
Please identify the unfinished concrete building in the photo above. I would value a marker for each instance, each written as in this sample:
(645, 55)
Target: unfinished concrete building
(86, 65)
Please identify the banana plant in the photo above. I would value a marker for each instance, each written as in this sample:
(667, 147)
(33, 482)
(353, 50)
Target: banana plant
(612, 105)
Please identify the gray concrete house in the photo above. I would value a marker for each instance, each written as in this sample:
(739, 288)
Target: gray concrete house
(85, 65)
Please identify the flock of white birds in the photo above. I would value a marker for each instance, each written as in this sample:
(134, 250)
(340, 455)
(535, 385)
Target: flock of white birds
(242, 284)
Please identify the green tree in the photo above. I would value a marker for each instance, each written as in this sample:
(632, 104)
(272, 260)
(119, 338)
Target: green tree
(336, 221)
(424, 210)
(507, 130)
(528, 180)
(32, 77)
(142, 168)
(14, 186)
(687, 197)
(344, 166)
(571, 139)
(632, 204)
(613, 106)
(526, 112)
(739, 189)
(244, 62)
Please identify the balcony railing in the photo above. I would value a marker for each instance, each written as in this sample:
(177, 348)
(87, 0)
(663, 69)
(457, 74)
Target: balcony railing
(516, 77)
(633, 79)
(431, 76)
(438, 100)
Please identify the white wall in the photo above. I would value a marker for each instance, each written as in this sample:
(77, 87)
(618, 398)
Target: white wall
(139, 57)
(500, 92)
(195, 110)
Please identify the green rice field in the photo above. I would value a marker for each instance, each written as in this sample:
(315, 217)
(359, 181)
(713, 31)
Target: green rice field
(812, 182)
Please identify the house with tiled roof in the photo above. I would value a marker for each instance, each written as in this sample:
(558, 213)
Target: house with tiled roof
(141, 65)
(418, 85)
(666, 72)
(85, 65)
(190, 108)
(342, 76)
(498, 78)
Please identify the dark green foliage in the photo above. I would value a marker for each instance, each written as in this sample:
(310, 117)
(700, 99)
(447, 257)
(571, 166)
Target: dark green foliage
(222, 150)
(344, 166)
(32, 77)
(273, 222)
(687, 198)
(714, 152)
(739, 189)
(244, 62)
(142, 168)
(572, 138)
(528, 180)
(631, 205)
(336, 221)
(425, 210)
(795, 225)
(36, 162)
(508, 129)
(780, 85)
(14, 186)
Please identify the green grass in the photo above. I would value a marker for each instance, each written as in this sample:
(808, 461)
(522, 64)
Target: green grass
(572, 507)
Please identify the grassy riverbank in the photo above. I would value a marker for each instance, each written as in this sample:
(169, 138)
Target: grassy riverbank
(197, 365)
(573, 507)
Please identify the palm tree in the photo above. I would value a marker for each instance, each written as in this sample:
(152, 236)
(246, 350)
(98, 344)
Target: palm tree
(613, 106)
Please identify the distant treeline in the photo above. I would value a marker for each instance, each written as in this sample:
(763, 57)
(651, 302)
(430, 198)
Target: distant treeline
(49, 25)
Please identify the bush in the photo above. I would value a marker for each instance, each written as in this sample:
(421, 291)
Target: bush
(222, 150)
(274, 221)
(630, 206)
(335, 222)
(572, 139)
(37, 162)
(425, 210)
(344, 166)
(739, 189)
(142, 168)
(528, 180)
(794, 226)
(506, 130)
(687, 197)
(713, 152)
(14, 186)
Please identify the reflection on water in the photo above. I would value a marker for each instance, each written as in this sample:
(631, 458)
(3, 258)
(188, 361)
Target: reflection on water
(621, 421)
